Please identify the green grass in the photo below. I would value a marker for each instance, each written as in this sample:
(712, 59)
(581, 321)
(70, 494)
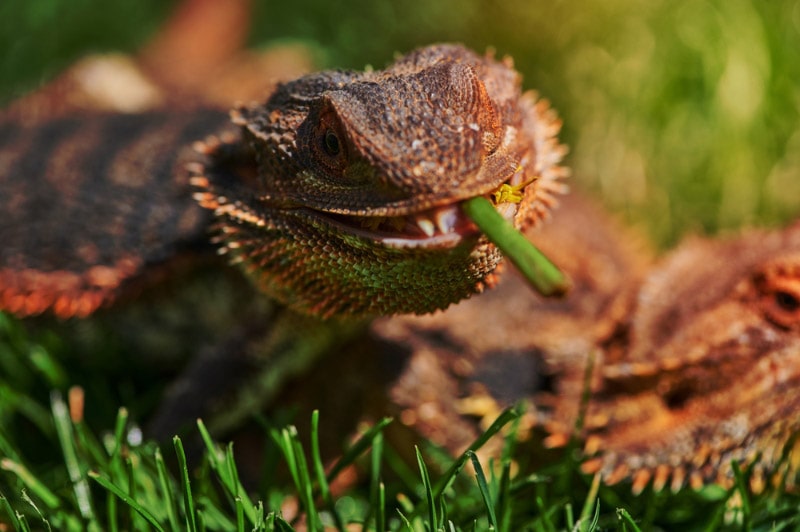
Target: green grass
(112, 481)
(59, 473)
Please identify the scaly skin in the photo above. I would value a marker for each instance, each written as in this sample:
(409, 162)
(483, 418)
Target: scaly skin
(340, 193)
(695, 360)
(694, 366)
(101, 203)
(710, 373)
(343, 199)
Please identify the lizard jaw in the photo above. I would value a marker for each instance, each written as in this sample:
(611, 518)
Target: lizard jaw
(439, 227)
(442, 227)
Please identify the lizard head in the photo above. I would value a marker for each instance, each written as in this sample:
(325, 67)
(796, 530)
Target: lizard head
(350, 204)
(712, 375)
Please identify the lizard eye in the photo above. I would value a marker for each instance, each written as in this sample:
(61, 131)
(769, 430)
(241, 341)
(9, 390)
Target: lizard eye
(330, 143)
(787, 302)
(779, 295)
(325, 146)
(330, 150)
(782, 307)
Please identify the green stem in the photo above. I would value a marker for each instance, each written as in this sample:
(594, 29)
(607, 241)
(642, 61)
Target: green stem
(545, 277)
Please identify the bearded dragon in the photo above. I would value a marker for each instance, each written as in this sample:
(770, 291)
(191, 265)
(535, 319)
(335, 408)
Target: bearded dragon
(694, 358)
(339, 193)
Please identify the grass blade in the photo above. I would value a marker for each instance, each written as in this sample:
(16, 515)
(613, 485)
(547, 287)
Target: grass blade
(484, 489)
(380, 509)
(112, 516)
(545, 517)
(127, 499)
(360, 446)
(319, 468)
(34, 484)
(593, 524)
(304, 487)
(426, 484)
(64, 431)
(377, 493)
(289, 443)
(504, 498)
(502, 420)
(35, 507)
(591, 502)
(627, 520)
(239, 515)
(405, 521)
(48, 366)
(225, 467)
(10, 513)
(212, 517)
(191, 517)
(168, 497)
(319, 472)
(744, 492)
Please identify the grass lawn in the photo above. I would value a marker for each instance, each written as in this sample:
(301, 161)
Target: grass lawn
(682, 116)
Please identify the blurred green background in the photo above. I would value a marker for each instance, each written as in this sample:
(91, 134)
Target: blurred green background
(680, 114)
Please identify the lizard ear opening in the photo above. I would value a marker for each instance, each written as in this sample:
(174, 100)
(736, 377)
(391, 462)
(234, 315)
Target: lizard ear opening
(777, 286)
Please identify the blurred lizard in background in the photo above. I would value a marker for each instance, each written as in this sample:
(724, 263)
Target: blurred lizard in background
(695, 360)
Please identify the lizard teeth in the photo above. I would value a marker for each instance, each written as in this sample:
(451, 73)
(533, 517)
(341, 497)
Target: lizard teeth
(443, 221)
(426, 226)
(440, 226)
(446, 220)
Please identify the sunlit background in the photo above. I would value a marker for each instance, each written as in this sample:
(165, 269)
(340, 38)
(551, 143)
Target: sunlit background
(681, 115)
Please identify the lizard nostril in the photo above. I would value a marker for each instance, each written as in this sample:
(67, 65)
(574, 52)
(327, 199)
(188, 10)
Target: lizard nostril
(677, 399)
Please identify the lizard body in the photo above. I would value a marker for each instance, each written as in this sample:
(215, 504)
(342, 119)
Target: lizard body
(104, 190)
(340, 192)
(709, 376)
(694, 359)
(93, 201)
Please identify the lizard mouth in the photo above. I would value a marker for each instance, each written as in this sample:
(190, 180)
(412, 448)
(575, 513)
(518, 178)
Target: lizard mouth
(445, 226)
